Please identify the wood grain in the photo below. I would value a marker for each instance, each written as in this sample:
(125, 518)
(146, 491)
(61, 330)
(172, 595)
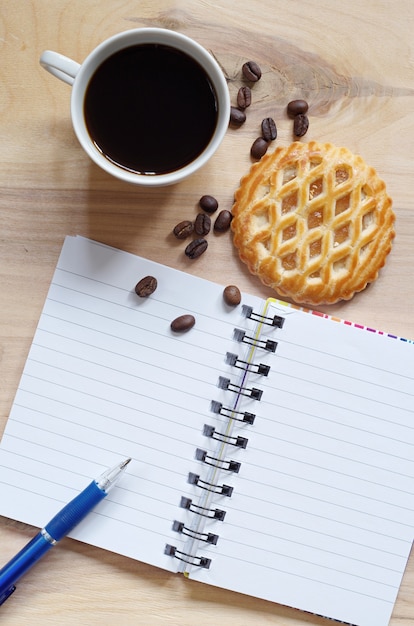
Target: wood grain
(353, 62)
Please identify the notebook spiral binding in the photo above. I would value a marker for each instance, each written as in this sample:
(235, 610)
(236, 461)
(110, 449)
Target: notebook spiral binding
(266, 344)
(241, 416)
(218, 462)
(252, 392)
(257, 368)
(238, 441)
(187, 503)
(275, 320)
(224, 490)
(186, 557)
(179, 527)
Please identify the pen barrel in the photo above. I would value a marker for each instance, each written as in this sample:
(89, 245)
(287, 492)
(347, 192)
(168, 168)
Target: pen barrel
(74, 511)
(19, 564)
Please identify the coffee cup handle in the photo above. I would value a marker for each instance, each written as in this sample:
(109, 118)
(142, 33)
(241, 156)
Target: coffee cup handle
(60, 66)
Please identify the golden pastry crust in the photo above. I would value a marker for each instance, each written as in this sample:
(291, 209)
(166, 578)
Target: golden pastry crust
(314, 222)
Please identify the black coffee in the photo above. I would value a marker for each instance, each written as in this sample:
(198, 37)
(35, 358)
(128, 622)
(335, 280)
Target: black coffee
(150, 109)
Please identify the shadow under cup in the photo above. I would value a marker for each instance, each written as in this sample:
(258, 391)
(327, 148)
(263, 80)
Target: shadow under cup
(152, 112)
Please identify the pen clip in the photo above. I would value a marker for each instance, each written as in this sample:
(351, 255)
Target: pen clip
(7, 594)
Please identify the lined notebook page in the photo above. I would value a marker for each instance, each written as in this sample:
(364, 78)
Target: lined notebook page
(322, 510)
(107, 379)
(322, 513)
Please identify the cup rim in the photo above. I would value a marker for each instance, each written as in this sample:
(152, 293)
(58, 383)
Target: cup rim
(149, 35)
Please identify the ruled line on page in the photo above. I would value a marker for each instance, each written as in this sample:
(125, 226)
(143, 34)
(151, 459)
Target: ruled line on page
(320, 385)
(355, 427)
(121, 406)
(103, 380)
(274, 553)
(360, 477)
(327, 536)
(136, 496)
(133, 309)
(115, 420)
(343, 359)
(349, 376)
(119, 519)
(296, 575)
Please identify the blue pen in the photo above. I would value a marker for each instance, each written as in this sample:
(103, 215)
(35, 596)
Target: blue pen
(57, 528)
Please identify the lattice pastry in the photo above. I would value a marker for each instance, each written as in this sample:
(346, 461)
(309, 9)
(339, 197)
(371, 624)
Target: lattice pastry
(313, 221)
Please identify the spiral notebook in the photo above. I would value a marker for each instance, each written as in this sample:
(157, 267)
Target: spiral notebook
(272, 446)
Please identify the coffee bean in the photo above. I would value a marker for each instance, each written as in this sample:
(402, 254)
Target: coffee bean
(182, 323)
(269, 130)
(146, 286)
(202, 224)
(196, 248)
(208, 203)
(251, 71)
(237, 117)
(223, 221)
(183, 229)
(300, 125)
(244, 97)
(259, 148)
(297, 106)
(232, 295)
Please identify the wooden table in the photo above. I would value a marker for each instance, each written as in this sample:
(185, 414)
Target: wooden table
(353, 62)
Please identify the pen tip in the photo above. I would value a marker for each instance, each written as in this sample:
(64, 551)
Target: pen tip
(125, 463)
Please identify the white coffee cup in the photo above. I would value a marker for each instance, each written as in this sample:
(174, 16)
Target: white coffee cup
(79, 77)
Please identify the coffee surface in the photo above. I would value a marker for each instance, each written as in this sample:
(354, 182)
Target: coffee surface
(150, 109)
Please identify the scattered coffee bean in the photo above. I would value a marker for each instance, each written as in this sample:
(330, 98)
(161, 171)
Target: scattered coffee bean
(223, 221)
(232, 295)
(300, 125)
(183, 323)
(259, 148)
(269, 130)
(183, 229)
(208, 203)
(237, 117)
(146, 286)
(251, 71)
(295, 107)
(244, 97)
(202, 224)
(196, 248)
